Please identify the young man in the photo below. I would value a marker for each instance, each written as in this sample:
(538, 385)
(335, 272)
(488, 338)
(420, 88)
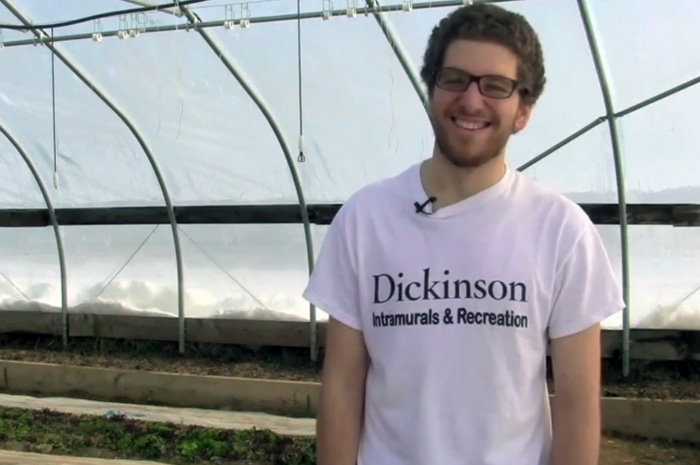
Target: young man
(445, 284)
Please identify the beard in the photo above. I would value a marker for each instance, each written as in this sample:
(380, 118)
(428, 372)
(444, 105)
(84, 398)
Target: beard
(471, 154)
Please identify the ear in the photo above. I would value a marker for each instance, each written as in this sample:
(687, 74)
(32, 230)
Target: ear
(522, 117)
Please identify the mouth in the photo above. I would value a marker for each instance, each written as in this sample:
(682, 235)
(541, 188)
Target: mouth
(470, 125)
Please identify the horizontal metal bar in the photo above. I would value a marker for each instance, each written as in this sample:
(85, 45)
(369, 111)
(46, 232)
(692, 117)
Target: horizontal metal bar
(319, 214)
(217, 214)
(253, 20)
(658, 97)
(171, 11)
(604, 118)
(564, 142)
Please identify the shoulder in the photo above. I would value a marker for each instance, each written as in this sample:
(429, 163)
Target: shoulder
(562, 221)
(583, 285)
(376, 198)
(339, 253)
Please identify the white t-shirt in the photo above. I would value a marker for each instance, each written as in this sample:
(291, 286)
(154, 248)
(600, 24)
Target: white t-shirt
(456, 308)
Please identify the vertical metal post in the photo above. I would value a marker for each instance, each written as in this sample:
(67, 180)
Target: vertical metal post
(260, 103)
(154, 164)
(56, 230)
(619, 176)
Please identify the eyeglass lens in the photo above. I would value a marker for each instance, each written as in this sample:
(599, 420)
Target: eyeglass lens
(490, 86)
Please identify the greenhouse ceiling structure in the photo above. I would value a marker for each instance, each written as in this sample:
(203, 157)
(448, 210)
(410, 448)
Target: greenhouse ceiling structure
(185, 159)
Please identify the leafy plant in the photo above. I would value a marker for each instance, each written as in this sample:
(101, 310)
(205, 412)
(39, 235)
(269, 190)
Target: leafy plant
(132, 439)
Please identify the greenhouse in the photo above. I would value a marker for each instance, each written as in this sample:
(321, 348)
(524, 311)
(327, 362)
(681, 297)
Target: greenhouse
(169, 173)
(184, 160)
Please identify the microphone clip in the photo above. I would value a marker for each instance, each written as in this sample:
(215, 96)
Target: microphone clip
(420, 207)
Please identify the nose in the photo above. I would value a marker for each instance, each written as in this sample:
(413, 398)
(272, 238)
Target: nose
(471, 98)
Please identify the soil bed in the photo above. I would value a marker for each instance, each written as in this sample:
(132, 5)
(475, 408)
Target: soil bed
(657, 380)
(50, 432)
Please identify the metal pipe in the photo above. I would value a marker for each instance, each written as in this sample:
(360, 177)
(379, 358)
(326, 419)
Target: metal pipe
(276, 129)
(154, 164)
(173, 11)
(398, 49)
(564, 142)
(619, 175)
(253, 20)
(56, 230)
(602, 119)
(657, 97)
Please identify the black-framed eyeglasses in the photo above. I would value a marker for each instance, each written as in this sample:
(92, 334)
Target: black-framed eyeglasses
(492, 86)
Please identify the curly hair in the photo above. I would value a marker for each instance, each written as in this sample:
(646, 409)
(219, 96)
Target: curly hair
(488, 23)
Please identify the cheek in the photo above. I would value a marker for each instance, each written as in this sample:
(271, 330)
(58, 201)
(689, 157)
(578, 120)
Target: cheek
(439, 106)
(433, 111)
(508, 118)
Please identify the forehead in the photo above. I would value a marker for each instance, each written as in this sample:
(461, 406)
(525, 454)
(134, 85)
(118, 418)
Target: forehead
(481, 58)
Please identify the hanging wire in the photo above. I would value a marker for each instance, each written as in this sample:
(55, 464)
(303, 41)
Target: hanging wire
(108, 14)
(301, 158)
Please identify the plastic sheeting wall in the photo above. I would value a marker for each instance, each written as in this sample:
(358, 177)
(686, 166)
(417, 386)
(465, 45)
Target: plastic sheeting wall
(362, 121)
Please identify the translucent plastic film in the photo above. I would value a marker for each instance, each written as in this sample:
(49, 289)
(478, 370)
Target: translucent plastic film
(349, 115)
(359, 115)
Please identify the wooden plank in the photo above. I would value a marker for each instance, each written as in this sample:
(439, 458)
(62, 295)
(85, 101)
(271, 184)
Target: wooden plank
(669, 419)
(645, 344)
(81, 324)
(249, 332)
(30, 458)
(162, 328)
(154, 328)
(657, 419)
(203, 330)
(654, 344)
(174, 389)
(30, 322)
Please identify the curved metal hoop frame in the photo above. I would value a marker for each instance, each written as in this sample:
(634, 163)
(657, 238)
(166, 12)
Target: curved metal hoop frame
(154, 164)
(399, 51)
(276, 129)
(54, 223)
(373, 5)
(603, 79)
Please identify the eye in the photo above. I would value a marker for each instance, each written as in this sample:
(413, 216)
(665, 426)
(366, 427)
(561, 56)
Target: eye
(452, 79)
(497, 85)
(450, 76)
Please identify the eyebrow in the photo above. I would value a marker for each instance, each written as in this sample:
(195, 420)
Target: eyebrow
(483, 74)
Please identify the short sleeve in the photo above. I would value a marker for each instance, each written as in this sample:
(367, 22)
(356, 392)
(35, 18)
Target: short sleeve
(333, 286)
(586, 290)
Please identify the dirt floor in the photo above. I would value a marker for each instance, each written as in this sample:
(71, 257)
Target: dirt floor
(661, 380)
(622, 451)
(648, 380)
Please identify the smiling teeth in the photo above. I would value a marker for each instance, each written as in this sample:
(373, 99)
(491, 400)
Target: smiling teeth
(471, 126)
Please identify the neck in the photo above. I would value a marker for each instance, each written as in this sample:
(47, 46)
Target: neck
(452, 184)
